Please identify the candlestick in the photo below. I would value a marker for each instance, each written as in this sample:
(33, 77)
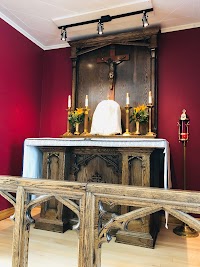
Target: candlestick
(69, 101)
(127, 132)
(85, 132)
(150, 133)
(150, 98)
(86, 101)
(127, 99)
(68, 132)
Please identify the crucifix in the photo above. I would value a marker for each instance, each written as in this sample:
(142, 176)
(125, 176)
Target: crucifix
(112, 60)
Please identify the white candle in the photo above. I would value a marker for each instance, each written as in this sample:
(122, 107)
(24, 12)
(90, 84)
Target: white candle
(86, 101)
(150, 97)
(127, 99)
(69, 101)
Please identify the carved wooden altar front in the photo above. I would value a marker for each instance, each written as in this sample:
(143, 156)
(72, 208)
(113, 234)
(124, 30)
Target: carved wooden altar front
(126, 166)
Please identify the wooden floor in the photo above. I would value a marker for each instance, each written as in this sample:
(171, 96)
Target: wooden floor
(60, 250)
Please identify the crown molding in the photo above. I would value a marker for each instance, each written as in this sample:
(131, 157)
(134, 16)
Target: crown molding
(51, 47)
(19, 29)
(180, 27)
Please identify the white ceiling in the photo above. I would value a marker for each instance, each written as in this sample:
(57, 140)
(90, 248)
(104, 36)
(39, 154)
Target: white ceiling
(38, 20)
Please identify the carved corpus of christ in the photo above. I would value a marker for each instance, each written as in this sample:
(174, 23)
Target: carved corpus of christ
(112, 61)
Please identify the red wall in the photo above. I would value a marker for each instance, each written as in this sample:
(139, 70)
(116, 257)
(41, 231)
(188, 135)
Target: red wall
(57, 80)
(20, 97)
(32, 78)
(178, 72)
(179, 87)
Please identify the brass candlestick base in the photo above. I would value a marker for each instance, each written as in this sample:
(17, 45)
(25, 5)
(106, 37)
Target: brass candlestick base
(127, 132)
(68, 133)
(85, 133)
(186, 231)
(150, 134)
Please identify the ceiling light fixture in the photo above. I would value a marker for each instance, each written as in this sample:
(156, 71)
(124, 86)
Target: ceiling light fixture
(100, 27)
(145, 19)
(107, 18)
(63, 34)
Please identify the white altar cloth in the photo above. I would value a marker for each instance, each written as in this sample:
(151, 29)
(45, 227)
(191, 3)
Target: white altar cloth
(32, 163)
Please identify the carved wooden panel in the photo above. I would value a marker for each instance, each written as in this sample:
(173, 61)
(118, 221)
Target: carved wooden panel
(53, 216)
(102, 163)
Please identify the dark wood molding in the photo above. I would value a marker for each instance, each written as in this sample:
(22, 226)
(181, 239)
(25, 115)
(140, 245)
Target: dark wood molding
(125, 38)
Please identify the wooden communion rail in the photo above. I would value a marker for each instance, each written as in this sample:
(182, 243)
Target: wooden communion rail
(85, 201)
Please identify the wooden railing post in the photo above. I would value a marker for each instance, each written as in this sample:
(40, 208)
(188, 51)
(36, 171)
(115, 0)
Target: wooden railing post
(81, 248)
(88, 253)
(20, 232)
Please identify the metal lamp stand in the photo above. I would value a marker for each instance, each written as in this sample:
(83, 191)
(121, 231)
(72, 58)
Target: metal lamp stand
(184, 230)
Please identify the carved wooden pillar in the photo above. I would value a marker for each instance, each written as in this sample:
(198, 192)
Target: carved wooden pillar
(74, 78)
(153, 57)
(53, 216)
(125, 177)
(136, 165)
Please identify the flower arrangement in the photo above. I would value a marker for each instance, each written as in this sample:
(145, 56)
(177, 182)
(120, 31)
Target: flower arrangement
(140, 114)
(76, 116)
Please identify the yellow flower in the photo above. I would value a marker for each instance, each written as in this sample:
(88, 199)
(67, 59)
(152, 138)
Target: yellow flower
(140, 113)
(76, 116)
(143, 107)
(79, 111)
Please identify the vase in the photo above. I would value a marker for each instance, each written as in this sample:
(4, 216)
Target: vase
(77, 129)
(137, 128)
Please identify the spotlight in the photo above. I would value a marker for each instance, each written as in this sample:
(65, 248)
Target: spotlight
(145, 19)
(100, 27)
(63, 34)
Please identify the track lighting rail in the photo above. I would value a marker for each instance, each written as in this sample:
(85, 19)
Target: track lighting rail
(106, 18)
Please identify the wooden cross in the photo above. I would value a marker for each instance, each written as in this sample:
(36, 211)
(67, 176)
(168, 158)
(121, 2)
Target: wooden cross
(112, 60)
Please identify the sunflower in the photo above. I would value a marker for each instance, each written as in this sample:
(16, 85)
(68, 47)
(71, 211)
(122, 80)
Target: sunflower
(76, 116)
(140, 113)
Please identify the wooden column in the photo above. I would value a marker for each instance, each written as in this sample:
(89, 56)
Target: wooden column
(53, 216)
(83, 253)
(74, 78)
(89, 251)
(153, 57)
(20, 232)
(136, 171)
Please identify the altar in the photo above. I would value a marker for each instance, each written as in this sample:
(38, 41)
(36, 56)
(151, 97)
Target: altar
(126, 161)
(114, 101)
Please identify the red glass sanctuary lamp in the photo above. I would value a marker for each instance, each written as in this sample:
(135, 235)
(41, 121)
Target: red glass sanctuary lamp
(183, 136)
(183, 133)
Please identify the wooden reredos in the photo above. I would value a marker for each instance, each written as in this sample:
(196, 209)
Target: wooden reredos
(131, 57)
